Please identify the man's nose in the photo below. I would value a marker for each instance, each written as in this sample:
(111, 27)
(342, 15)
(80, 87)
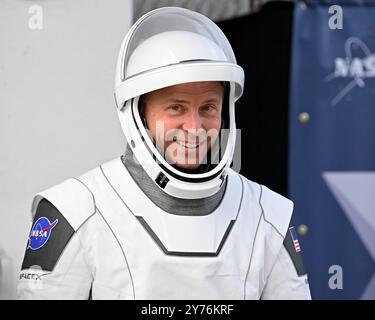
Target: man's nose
(192, 121)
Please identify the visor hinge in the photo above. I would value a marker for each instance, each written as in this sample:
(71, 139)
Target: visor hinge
(162, 180)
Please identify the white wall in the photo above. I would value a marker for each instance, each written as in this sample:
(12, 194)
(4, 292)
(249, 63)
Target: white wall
(57, 111)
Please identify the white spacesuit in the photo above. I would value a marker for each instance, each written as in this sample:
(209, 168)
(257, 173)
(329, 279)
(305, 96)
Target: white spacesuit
(105, 235)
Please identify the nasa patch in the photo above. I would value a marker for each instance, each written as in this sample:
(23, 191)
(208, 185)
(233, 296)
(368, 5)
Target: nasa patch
(40, 233)
(48, 237)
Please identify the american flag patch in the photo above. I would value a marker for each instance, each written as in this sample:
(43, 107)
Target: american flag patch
(296, 244)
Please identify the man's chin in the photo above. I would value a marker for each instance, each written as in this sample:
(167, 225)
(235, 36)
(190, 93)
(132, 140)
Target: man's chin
(183, 164)
(187, 166)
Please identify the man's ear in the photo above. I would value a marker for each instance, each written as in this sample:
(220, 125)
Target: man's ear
(141, 109)
(222, 123)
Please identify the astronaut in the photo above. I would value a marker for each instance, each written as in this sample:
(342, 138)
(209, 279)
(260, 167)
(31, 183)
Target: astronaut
(170, 219)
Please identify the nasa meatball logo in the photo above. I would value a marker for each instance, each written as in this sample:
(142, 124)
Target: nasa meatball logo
(357, 69)
(41, 232)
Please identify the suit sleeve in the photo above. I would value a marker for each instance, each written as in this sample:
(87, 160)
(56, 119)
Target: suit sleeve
(54, 265)
(288, 278)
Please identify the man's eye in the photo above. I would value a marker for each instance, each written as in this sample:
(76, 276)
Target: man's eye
(175, 107)
(209, 108)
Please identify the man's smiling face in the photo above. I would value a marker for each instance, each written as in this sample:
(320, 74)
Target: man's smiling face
(184, 120)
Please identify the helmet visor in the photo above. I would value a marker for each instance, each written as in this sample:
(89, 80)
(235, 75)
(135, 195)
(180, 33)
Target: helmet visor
(171, 36)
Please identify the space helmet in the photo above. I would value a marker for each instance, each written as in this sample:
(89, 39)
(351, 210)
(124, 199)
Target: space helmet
(166, 47)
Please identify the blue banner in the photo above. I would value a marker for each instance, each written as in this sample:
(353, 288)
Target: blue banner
(332, 145)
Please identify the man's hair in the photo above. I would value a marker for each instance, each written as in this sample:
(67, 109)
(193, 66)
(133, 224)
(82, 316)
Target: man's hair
(143, 98)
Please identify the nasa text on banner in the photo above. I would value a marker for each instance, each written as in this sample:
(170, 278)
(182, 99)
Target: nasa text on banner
(332, 144)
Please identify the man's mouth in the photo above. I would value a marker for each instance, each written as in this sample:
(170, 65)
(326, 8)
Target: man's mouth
(189, 145)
